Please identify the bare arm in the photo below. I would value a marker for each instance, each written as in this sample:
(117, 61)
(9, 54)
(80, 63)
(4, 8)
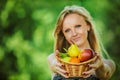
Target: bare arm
(106, 70)
(55, 66)
(51, 58)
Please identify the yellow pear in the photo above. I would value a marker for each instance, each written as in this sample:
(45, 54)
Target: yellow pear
(73, 51)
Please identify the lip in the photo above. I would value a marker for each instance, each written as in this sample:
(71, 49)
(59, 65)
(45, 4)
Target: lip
(76, 39)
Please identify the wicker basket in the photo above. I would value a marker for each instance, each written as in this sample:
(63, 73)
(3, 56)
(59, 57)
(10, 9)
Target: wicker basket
(76, 69)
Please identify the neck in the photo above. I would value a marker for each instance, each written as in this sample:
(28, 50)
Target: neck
(86, 45)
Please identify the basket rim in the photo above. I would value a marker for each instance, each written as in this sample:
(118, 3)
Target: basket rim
(81, 63)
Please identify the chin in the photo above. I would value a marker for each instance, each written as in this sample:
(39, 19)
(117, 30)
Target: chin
(77, 43)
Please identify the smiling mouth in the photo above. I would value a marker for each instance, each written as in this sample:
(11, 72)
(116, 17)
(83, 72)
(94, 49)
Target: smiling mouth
(76, 39)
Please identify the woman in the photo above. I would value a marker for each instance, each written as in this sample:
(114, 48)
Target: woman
(75, 26)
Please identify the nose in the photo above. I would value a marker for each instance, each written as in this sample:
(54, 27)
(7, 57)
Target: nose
(74, 32)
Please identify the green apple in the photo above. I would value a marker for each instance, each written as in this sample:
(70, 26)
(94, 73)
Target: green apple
(63, 55)
(67, 59)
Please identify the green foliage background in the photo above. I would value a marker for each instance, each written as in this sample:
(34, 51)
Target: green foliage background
(26, 34)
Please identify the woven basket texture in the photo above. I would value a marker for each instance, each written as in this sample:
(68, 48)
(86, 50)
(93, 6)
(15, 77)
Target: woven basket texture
(76, 69)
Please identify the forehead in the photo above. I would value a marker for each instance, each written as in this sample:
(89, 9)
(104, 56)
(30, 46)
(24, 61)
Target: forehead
(73, 18)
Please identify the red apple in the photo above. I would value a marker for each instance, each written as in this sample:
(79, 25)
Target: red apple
(85, 55)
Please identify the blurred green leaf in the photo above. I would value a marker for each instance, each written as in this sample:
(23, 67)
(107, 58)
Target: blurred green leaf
(26, 34)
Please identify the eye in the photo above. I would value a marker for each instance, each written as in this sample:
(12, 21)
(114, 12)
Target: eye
(77, 26)
(67, 30)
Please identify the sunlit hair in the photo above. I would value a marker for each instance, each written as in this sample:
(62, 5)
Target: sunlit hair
(61, 42)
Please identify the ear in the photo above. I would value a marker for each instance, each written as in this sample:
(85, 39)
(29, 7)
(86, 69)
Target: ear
(88, 27)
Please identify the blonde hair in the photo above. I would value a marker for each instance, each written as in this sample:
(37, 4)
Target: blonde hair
(61, 42)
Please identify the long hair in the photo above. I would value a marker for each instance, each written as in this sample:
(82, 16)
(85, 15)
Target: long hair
(61, 42)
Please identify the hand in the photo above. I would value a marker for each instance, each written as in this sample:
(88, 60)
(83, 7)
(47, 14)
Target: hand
(95, 65)
(57, 67)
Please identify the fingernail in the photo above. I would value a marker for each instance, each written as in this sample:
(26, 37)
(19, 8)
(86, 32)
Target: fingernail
(63, 65)
(83, 73)
(67, 73)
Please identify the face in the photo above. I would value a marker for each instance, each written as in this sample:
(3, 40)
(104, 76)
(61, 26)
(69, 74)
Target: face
(75, 29)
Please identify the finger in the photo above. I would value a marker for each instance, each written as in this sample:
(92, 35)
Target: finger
(96, 63)
(59, 64)
(55, 64)
(99, 56)
(91, 71)
(57, 52)
(62, 74)
(59, 67)
(92, 66)
(61, 70)
(85, 76)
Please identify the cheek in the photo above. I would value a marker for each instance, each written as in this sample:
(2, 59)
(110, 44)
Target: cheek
(84, 31)
(85, 34)
(68, 37)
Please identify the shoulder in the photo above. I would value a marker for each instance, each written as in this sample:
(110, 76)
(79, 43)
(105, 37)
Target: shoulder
(109, 61)
(51, 56)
